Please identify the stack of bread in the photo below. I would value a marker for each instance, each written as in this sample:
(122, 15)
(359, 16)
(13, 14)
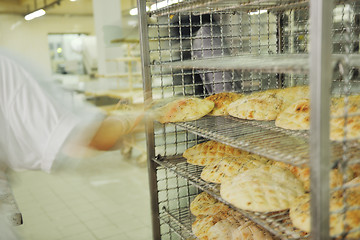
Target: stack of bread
(289, 107)
(249, 182)
(254, 183)
(216, 221)
(344, 211)
(189, 109)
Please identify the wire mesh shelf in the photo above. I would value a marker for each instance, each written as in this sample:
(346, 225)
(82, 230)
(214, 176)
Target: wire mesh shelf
(179, 220)
(276, 63)
(264, 138)
(277, 223)
(206, 6)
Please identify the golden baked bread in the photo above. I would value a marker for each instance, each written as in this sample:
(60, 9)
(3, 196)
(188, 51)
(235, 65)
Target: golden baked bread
(202, 224)
(339, 222)
(205, 204)
(257, 106)
(337, 123)
(296, 116)
(264, 189)
(250, 231)
(303, 174)
(222, 101)
(222, 230)
(228, 225)
(292, 94)
(209, 152)
(229, 167)
(266, 105)
(184, 109)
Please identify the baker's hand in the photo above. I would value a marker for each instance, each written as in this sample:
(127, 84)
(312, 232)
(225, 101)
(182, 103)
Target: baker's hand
(113, 128)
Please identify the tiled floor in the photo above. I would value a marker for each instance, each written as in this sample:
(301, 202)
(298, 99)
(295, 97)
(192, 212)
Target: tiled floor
(105, 197)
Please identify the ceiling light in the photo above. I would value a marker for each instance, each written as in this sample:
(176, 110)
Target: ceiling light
(159, 5)
(134, 11)
(35, 14)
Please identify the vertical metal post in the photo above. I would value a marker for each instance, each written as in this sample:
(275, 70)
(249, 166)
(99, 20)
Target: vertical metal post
(280, 43)
(320, 82)
(150, 141)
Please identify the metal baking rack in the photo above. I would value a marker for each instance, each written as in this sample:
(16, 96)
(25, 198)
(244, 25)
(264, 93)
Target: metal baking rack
(277, 223)
(283, 63)
(263, 138)
(206, 6)
(255, 45)
(179, 221)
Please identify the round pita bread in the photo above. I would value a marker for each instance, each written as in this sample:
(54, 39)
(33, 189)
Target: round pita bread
(265, 189)
(205, 204)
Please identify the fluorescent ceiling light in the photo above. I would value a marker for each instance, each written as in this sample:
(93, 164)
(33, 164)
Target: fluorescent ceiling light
(162, 4)
(258, 12)
(134, 11)
(155, 6)
(37, 13)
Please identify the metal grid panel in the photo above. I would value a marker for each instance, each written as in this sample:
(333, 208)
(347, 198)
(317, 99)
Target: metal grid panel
(206, 6)
(278, 223)
(174, 193)
(180, 221)
(284, 63)
(264, 138)
(186, 38)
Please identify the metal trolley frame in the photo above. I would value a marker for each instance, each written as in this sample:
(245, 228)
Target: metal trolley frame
(196, 47)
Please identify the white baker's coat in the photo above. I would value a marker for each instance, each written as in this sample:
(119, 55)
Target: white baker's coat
(34, 123)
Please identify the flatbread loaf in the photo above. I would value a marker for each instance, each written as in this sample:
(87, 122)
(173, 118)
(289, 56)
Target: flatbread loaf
(221, 230)
(265, 189)
(222, 101)
(184, 109)
(202, 224)
(292, 94)
(229, 167)
(337, 123)
(303, 174)
(205, 204)
(209, 152)
(250, 231)
(296, 116)
(258, 106)
(339, 222)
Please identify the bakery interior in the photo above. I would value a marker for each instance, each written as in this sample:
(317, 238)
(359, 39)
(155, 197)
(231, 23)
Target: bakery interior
(248, 164)
(91, 50)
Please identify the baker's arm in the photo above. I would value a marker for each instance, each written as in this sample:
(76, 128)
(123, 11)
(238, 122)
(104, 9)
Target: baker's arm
(112, 128)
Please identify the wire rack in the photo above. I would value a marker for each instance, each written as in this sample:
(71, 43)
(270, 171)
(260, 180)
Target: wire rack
(205, 6)
(277, 223)
(283, 63)
(263, 138)
(201, 47)
(180, 221)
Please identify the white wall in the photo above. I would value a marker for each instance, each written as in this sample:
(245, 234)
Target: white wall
(29, 38)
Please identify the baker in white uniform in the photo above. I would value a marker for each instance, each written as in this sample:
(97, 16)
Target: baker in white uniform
(37, 123)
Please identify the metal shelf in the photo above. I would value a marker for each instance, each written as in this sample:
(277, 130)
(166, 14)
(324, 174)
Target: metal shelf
(206, 6)
(277, 223)
(180, 221)
(263, 138)
(276, 63)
